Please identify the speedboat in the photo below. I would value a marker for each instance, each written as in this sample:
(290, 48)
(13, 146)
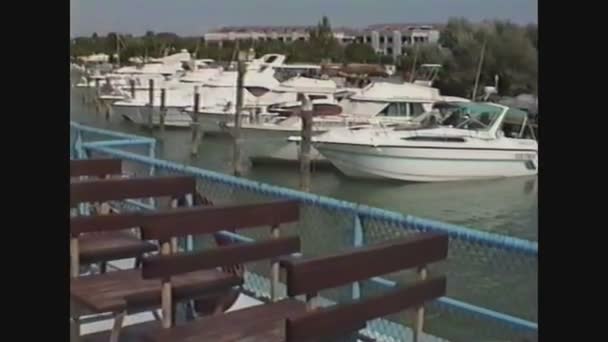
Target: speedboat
(379, 102)
(470, 141)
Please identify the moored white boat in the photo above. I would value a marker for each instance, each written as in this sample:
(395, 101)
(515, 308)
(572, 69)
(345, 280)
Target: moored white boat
(379, 102)
(482, 141)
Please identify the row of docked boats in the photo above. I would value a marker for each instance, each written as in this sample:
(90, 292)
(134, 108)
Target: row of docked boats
(403, 131)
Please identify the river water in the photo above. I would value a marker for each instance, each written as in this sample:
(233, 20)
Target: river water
(506, 206)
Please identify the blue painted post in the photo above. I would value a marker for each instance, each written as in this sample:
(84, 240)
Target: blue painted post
(152, 154)
(78, 144)
(82, 207)
(357, 241)
(189, 238)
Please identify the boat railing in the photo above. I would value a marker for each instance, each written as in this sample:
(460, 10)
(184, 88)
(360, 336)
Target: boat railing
(493, 278)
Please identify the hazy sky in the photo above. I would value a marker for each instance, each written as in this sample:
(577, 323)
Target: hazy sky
(198, 16)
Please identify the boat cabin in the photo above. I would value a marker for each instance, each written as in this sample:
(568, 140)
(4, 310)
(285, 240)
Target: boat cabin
(498, 120)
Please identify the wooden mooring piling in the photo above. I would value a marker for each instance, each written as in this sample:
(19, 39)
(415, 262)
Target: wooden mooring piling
(306, 113)
(150, 104)
(163, 109)
(196, 128)
(236, 153)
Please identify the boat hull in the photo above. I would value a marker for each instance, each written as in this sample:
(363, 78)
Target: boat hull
(211, 123)
(139, 115)
(427, 164)
(272, 145)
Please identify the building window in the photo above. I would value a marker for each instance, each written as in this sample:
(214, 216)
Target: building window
(390, 39)
(368, 39)
(405, 39)
(381, 39)
(301, 38)
(389, 51)
(281, 39)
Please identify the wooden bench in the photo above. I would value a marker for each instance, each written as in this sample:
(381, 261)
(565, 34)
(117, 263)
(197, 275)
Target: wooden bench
(97, 245)
(123, 292)
(310, 276)
(291, 320)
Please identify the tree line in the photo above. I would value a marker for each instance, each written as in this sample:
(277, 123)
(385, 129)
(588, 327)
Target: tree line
(510, 52)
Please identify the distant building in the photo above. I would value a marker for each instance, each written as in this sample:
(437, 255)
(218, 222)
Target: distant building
(386, 39)
(285, 34)
(393, 39)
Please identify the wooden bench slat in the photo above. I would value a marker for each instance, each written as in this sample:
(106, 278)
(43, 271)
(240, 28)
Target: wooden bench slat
(108, 292)
(345, 318)
(106, 223)
(98, 247)
(95, 167)
(164, 266)
(261, 323)
(211, 219)
(167, 223)
(308, 276)
(102, 190)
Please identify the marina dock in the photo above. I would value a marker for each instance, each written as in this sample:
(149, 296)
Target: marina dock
(476, 261)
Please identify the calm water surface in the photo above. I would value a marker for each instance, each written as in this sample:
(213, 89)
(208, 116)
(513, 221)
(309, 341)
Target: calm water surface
(507, 206)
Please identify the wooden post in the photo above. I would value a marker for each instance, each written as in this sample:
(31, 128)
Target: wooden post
(75, 323)
(118, 319)
(132, 84)
(306, 138)
(150, 103)
(163, 109)
(236, 155)
(274, 281)
(174, 245)
(167, 306)
(107, 105)
(74, 257)
(87, 89)
(108, 111)
(310, 305)
(97, 94)
(196, 128)
(419, 320)
(195, 106)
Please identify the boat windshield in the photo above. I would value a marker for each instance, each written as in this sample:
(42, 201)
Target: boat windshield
(470, 115)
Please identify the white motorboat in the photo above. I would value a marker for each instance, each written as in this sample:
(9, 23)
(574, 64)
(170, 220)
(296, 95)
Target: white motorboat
(475, 141)
(179, 95)
(378, 102)
(117, 85)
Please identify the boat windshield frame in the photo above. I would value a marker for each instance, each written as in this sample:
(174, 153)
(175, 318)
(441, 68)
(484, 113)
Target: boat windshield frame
(476, 116)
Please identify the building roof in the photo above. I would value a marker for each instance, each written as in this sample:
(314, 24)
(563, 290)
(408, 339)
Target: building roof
(340, 29)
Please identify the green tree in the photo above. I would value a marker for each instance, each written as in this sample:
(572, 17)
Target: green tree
(323, 43)
(510, 53)
(360, 53)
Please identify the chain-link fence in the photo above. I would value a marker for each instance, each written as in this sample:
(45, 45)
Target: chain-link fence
(492, 283)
